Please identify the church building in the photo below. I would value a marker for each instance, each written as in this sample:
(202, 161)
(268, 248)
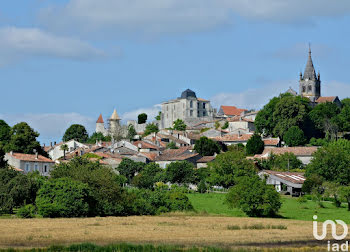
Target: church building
(310, 86)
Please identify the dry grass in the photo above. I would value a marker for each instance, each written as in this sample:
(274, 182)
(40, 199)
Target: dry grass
(172, 229)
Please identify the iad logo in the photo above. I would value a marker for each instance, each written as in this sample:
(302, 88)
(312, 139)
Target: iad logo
(334, 246)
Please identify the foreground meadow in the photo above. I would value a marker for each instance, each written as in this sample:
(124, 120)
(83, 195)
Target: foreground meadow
(176, 229)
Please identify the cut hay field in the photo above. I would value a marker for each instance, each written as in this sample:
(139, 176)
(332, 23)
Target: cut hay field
(175, 229)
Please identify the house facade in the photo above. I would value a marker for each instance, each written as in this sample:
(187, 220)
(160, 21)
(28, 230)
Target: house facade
(30, 162)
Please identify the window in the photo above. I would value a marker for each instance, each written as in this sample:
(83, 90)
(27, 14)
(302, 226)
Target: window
(203, 105)
(191, 113)
(191, 104)
(27, 167)
(45, 168)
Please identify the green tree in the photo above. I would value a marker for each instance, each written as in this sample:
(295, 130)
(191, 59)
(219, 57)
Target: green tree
(225, 125)
(345, 194)
(254, 197)
(108, 198)
(325, 118)
(206, 147)
(255, 145)
(63, 197)
(264, 122)
(290, 111)
(151, 128)
(131, 132)
(76, 132)
(331, 162)
(171, 145)
(227, 167)
(179, 172)
(151, 174)
(159, 116)
(5, 133)
(142, 118)
(98, 136)
(23, 140)
(294, 136)
(179, 125)
(128, 168)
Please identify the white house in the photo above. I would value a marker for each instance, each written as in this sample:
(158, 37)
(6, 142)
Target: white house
(30, 162)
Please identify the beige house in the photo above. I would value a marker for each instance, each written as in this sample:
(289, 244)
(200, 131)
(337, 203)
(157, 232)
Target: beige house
(30, 163)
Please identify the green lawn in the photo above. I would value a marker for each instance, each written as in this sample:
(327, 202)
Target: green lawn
(213, 203)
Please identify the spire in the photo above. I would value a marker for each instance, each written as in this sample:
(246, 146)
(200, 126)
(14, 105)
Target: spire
(114, 116)
(100, 119)
(309, 72)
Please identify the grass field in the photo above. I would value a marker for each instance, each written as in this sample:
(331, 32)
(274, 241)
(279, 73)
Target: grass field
(176, 229)
(213, 203)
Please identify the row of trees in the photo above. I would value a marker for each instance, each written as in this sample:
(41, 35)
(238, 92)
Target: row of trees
(293, 119)
(83, 188)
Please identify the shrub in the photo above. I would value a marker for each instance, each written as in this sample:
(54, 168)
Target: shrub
(63, 198)
(254, 197)
(27, 211)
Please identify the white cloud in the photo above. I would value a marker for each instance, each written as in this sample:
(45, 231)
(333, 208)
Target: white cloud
(51, 126)
(151, 112)
(254, 98)
(18, 43)
(171, 16)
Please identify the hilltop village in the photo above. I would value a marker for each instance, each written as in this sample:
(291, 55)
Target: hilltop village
(287, 147)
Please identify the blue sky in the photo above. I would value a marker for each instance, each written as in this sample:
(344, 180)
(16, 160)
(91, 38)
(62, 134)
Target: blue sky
(64, 62)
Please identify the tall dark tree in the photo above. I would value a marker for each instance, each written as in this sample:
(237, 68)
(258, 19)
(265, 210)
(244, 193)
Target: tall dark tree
(142, 118)
(76, 132)
(23, 140)
(206, 147)
(255, 145)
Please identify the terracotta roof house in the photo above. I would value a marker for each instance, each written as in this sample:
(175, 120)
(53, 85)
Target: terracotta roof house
(304, 154)
(30, 162)
(172, 155)
(288, 182)
(229, 111)
(203, 161)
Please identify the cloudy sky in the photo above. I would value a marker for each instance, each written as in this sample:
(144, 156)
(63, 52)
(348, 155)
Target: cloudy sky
(67, 61)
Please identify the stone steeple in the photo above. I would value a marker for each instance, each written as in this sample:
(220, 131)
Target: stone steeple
(310, 84)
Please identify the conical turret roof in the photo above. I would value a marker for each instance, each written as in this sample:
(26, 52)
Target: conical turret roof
(100, 119)
(310, 72)
(114, 116)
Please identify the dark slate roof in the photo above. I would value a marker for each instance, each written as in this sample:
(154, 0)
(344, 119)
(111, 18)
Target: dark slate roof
(188, 93)
(309, 69)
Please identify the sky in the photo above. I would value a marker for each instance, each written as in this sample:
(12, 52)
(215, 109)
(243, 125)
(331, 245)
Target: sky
(67, 61)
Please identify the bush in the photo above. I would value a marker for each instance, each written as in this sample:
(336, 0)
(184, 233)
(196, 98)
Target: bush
(63, 198)
(27, 211)
(254, 197)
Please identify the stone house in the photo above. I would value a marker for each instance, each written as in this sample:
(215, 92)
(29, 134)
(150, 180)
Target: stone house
(30, 163)
(188, 108)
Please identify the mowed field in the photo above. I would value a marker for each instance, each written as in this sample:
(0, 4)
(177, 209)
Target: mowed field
(178, 229)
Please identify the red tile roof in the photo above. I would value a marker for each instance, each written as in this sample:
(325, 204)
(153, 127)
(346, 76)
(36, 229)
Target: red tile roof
(232, 110)
(31, 157)
(206, 159)
(100, 119)
(298, 151)
(145, 145)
